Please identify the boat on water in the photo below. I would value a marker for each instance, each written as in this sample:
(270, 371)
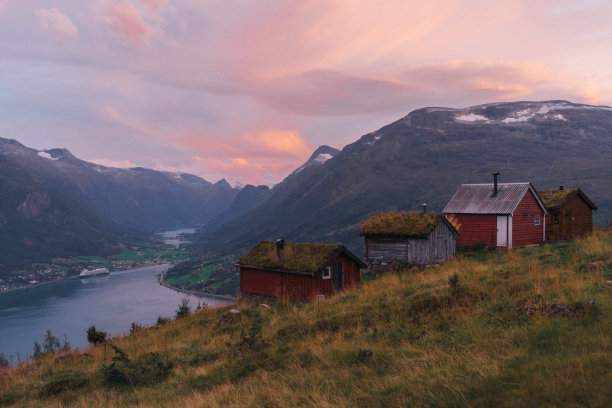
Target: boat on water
(85, 273)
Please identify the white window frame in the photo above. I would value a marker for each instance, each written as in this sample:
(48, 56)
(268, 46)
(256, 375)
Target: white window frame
(327, 273)
(536, 221)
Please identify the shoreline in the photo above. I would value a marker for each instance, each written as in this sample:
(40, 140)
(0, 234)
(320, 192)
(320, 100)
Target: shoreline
(135, 266)
(160, 280)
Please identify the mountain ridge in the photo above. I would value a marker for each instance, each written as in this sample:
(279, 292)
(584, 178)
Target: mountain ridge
(423, 157)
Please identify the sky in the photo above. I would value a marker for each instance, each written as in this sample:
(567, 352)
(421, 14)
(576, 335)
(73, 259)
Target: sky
(246, 90)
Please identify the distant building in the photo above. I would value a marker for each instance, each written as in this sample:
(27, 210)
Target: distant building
(298, 270)
(404, 238)
(498, 215)
(570, 214)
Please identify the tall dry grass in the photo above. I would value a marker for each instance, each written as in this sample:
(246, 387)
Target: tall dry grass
(403, 339)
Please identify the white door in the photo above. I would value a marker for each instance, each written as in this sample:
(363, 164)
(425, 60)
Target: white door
(502, 230)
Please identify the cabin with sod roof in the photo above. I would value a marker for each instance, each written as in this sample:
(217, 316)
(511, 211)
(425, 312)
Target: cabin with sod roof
(407, 238)
(570, 214)
(498, 215)
(299, 271)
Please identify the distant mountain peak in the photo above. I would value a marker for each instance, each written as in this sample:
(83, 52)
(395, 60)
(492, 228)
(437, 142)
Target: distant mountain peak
(510, 113)
(319, 156)
(223, 183)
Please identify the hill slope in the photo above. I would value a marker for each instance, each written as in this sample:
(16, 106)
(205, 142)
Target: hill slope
(530, 327)
(423, 157)
(54, 204)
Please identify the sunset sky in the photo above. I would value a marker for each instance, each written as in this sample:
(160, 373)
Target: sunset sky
(247, 89)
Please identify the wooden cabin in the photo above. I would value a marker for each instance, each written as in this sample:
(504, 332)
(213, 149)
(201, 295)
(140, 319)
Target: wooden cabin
(570, 214)
(498, 215)
(299, 271)
(404, 238)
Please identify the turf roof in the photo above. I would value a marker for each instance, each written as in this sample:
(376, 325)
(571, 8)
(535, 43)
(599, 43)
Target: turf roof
(404, 224)
(554, 199)
(303, 257)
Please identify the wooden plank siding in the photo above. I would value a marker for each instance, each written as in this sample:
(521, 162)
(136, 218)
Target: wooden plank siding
(477, 229)
(394, 251)
(524, 231)
(298, 286)
(574, 220)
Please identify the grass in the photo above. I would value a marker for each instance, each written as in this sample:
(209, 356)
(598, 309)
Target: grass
(409, 224)
(304, 257)
(409, 338)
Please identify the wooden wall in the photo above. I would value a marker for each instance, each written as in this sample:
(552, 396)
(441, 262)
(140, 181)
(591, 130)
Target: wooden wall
(575, 220)
(477, 229)
(388, 252)
(299, 287)
(524, 232)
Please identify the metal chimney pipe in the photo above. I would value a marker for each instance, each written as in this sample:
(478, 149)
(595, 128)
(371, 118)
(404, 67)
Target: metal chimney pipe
(495, 183)
(280, 248)
(424, 208)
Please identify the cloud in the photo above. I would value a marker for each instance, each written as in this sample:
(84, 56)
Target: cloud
(153, 5)
(57, 24)
(126, 23)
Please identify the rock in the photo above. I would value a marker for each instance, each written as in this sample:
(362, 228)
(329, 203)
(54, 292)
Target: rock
(595, 265)
(234, 311)
(229, 318)
(264, 305)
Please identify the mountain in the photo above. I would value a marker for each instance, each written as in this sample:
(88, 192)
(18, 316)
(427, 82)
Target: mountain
(318, 158)
(248, 198)
(422, 158)
(54, 204)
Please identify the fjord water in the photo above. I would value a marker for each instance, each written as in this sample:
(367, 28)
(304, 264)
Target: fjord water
(110, 302)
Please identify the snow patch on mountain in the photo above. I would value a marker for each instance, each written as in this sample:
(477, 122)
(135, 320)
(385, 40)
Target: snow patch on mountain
(323, 157)
(472, 117)
(47, 156)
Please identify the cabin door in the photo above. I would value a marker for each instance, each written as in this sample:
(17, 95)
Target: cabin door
(502, 231)
(338, 276)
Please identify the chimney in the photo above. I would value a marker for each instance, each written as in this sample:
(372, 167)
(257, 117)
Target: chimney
(560, 188)
(280, 248)
(495, 183)
(424, 208)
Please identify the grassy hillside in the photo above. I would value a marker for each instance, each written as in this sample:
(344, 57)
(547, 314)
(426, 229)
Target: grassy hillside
(530, 327)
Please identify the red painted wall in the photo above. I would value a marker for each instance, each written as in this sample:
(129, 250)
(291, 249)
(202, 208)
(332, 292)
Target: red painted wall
(524, 232)
(300, 287)
(477, 228)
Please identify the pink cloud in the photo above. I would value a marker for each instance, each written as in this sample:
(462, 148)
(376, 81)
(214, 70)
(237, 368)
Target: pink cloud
(153, 5)
(124, 164)
(57, 24)
(126, 23)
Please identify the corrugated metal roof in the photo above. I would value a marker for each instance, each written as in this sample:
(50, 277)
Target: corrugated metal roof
(477, 198)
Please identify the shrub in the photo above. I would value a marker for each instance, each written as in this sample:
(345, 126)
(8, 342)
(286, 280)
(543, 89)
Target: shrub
(63, 381)
(162, 320)
(184, 309)
(94, 336)
(50, 343)
(149, 368)
(453, 281)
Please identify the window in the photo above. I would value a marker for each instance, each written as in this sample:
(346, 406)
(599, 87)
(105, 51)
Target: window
(327, 273)
(536, 220)
(555, 218)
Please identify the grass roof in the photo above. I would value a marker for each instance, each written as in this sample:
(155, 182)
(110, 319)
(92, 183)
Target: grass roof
(404, 224)
(303, 257)
(554, 199)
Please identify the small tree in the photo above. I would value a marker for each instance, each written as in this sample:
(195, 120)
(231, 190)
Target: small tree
(38, 354)
(3, 361)
(94, 336)
(50, 343)
(66, 345)
(184, 309)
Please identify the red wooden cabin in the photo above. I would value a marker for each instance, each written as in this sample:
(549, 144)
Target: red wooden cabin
(298, 271)
(570, 214)
(506, 215)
